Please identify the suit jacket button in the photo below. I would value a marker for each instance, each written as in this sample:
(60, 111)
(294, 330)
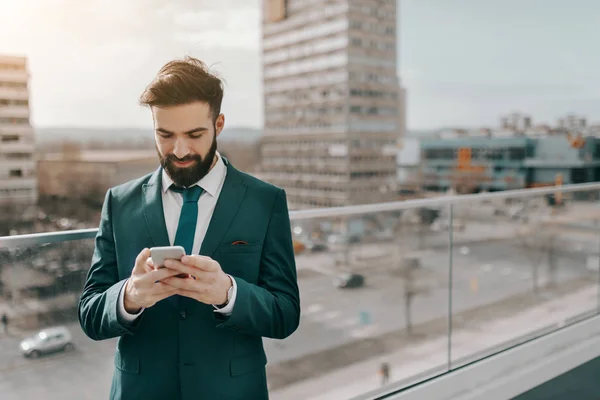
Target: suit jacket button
(183, 314)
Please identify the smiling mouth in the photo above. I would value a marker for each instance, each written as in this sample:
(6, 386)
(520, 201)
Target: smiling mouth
(183, 164)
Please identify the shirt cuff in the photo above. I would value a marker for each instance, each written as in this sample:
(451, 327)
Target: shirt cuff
(127, 317)
(228, 309)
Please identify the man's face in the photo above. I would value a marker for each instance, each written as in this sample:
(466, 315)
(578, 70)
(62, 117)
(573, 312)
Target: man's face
(186, 140)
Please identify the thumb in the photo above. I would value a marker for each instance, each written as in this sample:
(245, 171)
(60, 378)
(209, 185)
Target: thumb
(141, 259)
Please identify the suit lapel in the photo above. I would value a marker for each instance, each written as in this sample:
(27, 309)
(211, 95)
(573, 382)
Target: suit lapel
(153, 209)
(229, 201)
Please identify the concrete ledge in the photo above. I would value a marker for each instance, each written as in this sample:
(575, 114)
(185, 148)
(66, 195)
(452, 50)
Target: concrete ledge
(512, 372)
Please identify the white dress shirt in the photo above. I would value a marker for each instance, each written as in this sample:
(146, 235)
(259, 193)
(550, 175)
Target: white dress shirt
(212, 184)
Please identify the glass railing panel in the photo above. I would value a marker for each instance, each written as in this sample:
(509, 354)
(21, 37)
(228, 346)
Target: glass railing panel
(522, 267)
(374, 292)
(41, 285)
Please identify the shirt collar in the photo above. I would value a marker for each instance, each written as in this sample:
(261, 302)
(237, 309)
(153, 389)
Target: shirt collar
(210, 183)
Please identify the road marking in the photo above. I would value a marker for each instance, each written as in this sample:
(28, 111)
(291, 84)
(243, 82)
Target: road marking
(364, 331)
(487, 267)
(506, 271)
(313, 308)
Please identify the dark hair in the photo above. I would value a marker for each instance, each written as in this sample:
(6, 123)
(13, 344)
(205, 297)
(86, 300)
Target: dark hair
(182, 82)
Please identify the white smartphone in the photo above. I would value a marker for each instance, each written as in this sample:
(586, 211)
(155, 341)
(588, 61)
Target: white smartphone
(161, 254)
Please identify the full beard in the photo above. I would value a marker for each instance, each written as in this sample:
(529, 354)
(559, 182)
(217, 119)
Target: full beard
(188, 176)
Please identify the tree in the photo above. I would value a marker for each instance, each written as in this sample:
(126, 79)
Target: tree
(540, 241)
(410, 271)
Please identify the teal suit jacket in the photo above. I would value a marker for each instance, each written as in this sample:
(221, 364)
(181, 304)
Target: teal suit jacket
(191, 352)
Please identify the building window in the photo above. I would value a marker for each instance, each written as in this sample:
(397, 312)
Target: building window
(15, 173)
(10, 138)
(516, 153)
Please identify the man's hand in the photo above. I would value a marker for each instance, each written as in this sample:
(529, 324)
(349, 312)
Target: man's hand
(145, 287)
(207, 283)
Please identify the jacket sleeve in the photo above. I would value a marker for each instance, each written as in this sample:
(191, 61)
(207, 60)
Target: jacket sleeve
(272, 307)
(98, 304)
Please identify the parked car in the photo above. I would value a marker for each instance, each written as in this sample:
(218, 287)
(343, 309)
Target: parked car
(349, 280)
(315, 246)
(337, 239)
(47, 341)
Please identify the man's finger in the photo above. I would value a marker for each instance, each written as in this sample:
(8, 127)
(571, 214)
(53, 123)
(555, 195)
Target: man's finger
(141, 259)
(149, 265)
(160, 274)
(184, 268)
(201, 262)
(162, 289)
(185, 283)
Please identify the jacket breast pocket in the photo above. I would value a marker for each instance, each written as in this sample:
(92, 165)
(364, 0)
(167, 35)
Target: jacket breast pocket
(254, 247)
(127, 363)
(245, 265)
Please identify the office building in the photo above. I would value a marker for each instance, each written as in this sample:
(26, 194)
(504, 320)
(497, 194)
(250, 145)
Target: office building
(17, 165)
(334, 107)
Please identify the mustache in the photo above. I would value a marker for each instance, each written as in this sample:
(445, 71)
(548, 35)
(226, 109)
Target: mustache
(189, 157)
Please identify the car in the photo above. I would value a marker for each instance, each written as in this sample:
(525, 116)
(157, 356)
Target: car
(315, 247)
(47, 341)
(349, 280)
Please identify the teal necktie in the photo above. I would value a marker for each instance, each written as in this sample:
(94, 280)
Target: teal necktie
(186, 229)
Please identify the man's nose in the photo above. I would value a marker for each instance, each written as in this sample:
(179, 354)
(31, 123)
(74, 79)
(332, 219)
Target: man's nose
(180, 149)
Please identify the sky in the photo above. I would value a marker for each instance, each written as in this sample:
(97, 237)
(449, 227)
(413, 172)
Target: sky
(463, 62)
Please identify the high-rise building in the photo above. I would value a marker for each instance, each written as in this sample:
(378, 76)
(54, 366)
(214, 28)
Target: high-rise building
(334, 107)
(18, 181)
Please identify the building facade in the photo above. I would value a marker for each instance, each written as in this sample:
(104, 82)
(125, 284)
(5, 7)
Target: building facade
(334, 108)
(473, 164)
(90, 173)
(18, 181)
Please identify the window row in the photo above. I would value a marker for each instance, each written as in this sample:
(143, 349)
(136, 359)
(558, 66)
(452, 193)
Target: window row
(12, 67)
(307, 128)
(369, 110)
(304, 113)
(321, 144)
(10, 138)
(373, 94)
(301, 34)
(371, 143)
(6, 102)
(296, 97)
(15, 121)
(372, 44)
(325, 95)
(306, 49)
(296, 67)
(373, 27)
(17, 85)
(304, 13)
(513, 153)
(378, 62)
(381, 13)
(303, 82)
(372, 174)
(373, 126)
(16, 156)
(370, 77)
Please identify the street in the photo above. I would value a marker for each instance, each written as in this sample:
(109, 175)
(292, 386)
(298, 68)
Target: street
(483, 273)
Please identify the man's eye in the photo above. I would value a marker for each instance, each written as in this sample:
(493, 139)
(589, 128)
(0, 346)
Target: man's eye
(195, 136)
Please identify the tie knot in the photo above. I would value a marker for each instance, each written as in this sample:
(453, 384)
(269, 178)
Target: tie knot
(190, 195)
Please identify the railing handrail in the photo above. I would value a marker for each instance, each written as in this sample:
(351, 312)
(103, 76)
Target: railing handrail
(79, 234)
